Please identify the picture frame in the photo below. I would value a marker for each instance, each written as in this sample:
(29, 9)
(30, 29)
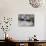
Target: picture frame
(26, 19)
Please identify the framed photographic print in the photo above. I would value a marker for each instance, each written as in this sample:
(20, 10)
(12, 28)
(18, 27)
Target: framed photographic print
(26, 20)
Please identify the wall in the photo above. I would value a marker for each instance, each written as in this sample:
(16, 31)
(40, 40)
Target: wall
(11, 8)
